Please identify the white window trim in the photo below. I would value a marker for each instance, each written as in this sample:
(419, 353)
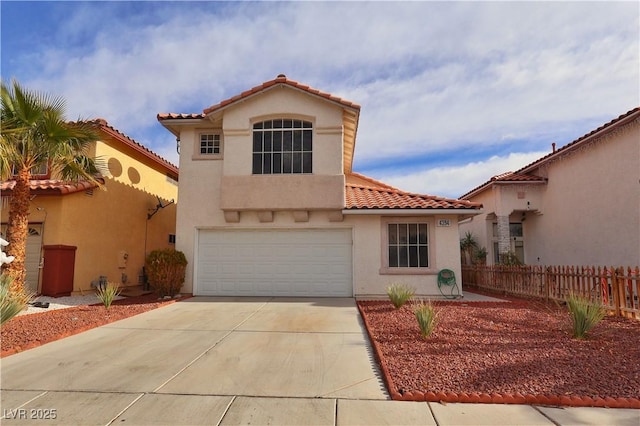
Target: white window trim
(196, 148)
(292, 117)
(385, 269)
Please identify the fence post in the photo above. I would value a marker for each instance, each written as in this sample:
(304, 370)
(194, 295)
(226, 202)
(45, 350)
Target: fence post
(615, 291)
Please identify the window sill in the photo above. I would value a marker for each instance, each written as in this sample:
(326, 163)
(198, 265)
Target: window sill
(198, 157)
(407, 271)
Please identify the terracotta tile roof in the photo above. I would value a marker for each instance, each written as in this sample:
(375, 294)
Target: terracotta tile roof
(516, 177)
(508, 177)
(281, 80)
(118, 135)
(171, 115)
(386, 197)
(51, 186)
(357, 179)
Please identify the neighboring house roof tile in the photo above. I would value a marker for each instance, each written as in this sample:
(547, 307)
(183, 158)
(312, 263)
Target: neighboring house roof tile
(385, 197)
(508, 177)
(51, 186)
(117, 134)
(524, 174)
(60, 187)
(516, 177)
(620, 120)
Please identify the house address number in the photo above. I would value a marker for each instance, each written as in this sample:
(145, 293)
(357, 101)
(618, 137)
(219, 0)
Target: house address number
(444, 222)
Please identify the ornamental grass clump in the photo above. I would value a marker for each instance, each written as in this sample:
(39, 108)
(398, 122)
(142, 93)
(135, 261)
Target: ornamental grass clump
(107, 293)
(584, 314)
(11, 302)
(399, 294)
(165, 271)
(427, 316)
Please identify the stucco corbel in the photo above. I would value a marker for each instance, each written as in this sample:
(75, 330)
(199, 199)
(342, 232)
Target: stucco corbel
(232, 216)
(301, 216)
(265, 216)
(336, 216)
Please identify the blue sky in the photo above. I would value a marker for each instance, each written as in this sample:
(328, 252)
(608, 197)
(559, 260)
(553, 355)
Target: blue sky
(452, 93)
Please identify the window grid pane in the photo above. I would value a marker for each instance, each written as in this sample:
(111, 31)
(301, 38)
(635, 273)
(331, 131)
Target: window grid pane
(210, 144)
(282, 146)
(408, 245)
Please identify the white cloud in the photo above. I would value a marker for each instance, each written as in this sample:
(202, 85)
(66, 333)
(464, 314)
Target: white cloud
(454, 181)
(430, 76)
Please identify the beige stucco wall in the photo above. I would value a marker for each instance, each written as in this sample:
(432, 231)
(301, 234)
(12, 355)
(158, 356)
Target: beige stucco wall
(591, 208)
(369, 247)
(226, 182)
(588, 212)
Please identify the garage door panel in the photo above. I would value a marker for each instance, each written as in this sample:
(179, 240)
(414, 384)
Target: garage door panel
(274, 263)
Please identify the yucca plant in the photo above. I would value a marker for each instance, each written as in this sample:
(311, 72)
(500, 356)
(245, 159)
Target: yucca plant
(11, 302)
(584, 314)
(107, 293)
(427, 316)
(399, 294)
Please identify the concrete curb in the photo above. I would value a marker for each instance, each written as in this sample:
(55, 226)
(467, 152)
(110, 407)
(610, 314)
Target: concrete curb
(494, 398)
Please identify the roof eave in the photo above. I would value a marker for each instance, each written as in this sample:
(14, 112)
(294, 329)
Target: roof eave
(501, 182)
(412, 211)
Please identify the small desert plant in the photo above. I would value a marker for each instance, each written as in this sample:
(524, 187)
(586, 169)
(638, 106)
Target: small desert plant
(107, 293)
(427, 316)
(165, 271)
(399, 294)
(11, 302)
(584, 314)
(509, 259)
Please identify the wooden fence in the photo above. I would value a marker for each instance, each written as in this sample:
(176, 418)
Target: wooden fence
(616, 288)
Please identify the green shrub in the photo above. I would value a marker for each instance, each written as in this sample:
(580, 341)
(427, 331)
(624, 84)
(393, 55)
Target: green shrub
(399, 294)
(165, 270)
(584, 314)
(11, 302)
(107, 293)
(427, 316)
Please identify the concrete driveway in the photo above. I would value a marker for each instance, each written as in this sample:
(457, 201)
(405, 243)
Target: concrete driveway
(187, 362)
(225, 361)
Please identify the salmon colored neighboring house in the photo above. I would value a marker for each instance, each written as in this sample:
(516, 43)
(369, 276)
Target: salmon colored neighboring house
(80, 233)
(577, 205)
(270, 205)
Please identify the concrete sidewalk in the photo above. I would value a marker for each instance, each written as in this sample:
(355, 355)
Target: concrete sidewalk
(210, 361)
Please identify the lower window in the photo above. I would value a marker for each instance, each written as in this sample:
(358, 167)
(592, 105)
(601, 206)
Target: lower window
(408, 245)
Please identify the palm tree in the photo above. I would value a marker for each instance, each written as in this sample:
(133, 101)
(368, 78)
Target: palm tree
(467, 245)
(34, 134)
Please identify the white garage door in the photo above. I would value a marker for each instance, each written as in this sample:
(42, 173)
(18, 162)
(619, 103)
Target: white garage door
(308, 263)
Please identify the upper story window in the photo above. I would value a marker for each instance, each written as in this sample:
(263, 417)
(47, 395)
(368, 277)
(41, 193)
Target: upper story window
(209, 146)
(282, 146)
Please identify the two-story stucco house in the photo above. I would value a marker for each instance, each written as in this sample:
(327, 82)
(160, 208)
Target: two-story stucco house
(578, 205)
(79, 233)
(270, 206)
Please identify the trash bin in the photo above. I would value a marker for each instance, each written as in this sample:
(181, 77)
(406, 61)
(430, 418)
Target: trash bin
(57, 274)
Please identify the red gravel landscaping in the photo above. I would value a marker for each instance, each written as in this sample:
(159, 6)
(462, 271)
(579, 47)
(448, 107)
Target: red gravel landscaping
(28, 331)
(520, 351)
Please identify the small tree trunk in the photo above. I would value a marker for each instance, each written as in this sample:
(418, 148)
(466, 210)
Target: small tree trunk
(18, 230)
